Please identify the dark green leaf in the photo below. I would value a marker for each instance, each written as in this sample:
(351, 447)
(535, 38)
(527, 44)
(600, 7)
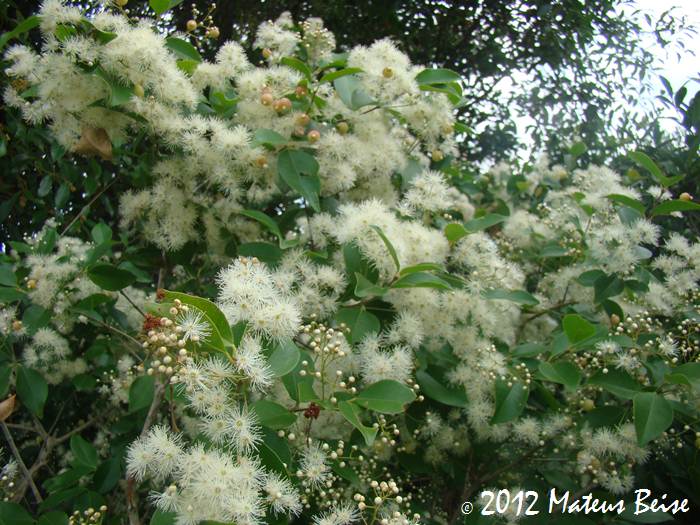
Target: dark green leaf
(84, 453)
(360, 322)
(284, 357)
(32, 390)
(421, 280)
(366, 288)
(182, 48)
(668, 207)
(141, 393)
(565, 373)
(352, 413)
(454, 397)
(273, 415)
(577, 328)
(109, 277)
(510, 401)
(299, 170)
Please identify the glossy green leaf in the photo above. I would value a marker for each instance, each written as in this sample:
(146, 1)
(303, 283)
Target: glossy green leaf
(652, 416)
(366, 288)
(386, 396)
(141, 393)
(272, 415)
(617, 382)
(668, 207)
(182, 48)
(434, 389)
(421, 280)
(284, 357)
(510, 401)
(437, 76)
(351, 413)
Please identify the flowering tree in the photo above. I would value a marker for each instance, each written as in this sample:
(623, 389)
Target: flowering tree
(307, 312)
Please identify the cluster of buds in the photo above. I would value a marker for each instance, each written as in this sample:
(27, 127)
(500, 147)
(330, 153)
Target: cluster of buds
(88, 517)
(207, 22)
(165, 341)
(7, 481)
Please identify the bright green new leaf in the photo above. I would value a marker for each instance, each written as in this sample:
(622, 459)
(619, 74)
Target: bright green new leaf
(352, 414)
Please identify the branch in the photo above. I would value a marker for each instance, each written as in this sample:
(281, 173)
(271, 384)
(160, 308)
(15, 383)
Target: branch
(20, 462)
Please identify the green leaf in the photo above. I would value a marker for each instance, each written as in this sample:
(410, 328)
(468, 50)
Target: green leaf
(13, 514)
(84, 453)
(273, 415)
(516, 296)
(643, 160)
(565, 373)
(668, 207)
(386, 396)
(484, 222)
(510, 401)
(421, 267)
(577, 149)
(7, 276)
(437, 76)
(55, 517)
(455, 232)
(284, 357)
(652, 416)
(360, 322)
(607, 286)
(265, 251)
(421, 280)
(159, 6)
(352, 413)
(210, 310)
(577, 328)
(119, 93)
(330, 77)
(109, 277)
(300, 171)
(297, 64)
(62, 196)
(617, 382)
(25, 25)
(628, 201)
(182, 48)
(268, 138)
(141, 393)
(101, 233)
(108, 474)
(439, 392)
(590, 277)
(389, 246)
(300, 388)
(5, 374)
(32, 390)
(163, 518)
(366, 288)
(35, 317)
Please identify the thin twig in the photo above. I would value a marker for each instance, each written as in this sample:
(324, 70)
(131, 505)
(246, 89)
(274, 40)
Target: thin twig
(94, 198)
(20, 462)
(132, 303)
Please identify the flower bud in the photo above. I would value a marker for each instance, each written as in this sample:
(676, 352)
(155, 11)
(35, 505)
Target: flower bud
(191, 25)
(313, 135)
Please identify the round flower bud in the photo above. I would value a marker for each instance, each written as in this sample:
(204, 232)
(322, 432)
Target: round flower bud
(387, 72)
(213, 32)
(303, 119)
(266, 53)
(685, 196)
(342, 127)
(313, 135)
(301, 91)
(138, 90)
(587, 405)
(266, 99)
(437, 155)
(191, 25)
(282, 105)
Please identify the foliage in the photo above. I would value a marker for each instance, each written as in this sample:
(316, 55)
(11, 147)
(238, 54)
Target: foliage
(307, 310)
